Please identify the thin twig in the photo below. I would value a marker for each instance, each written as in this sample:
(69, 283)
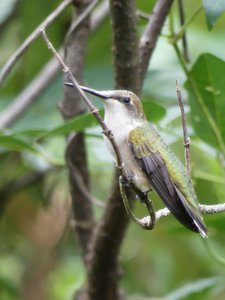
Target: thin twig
(143, 15)
(180, 33)
(89, 104)
(184, 37)
(77, 176)
(212, 209)
(150, 36)
(185, 133)
(31, 92)
(33, 36)
(37, 86)
(205, 209)
(150, 225)
(79, 20)
(99, 14)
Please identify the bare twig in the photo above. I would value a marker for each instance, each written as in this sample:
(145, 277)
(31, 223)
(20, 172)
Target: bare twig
(125, 45)
(80, 18)
(89, 104)
(46, 75)
(99, 14)
(104, 270)
(185, 133)
(212, 209)
(184, 37)
(148, 203)
(79, 179)
(29, 94)
(72, 106)
(34, 35)
(205, 209)
(143, 15)
(149, 38)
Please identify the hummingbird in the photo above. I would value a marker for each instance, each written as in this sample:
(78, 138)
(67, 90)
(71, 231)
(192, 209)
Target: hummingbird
(148, 161)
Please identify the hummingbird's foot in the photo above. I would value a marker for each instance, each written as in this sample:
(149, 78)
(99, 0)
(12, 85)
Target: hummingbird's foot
(143, 197)
(125, 181)
(147, 222)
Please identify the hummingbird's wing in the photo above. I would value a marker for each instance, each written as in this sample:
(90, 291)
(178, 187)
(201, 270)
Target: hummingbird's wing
(154, 158)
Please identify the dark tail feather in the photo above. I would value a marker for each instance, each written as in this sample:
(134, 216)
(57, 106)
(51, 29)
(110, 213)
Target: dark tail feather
(197, 223)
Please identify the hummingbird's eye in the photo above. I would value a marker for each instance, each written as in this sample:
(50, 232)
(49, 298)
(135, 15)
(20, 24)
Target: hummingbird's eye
(126, 100)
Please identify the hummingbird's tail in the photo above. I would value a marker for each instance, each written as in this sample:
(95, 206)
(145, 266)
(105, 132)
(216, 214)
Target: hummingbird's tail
(197, 224)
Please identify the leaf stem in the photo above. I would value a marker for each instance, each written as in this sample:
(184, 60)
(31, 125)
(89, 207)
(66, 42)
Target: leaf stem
(195, 90)
(179, 35)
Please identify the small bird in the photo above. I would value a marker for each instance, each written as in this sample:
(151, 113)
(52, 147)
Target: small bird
(148, 162)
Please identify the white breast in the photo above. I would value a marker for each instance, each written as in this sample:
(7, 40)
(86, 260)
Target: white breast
(120, 127)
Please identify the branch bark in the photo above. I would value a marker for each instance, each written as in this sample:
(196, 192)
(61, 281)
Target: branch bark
(23, 101)
(76, 151)
(104, 271)
(125, 45)
(48, 73)
(103, 274)
(185, 132)
(31, 38)
(205, 209)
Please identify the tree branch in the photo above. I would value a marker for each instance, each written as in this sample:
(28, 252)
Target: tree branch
(47, 74)
(184, 37)
(31, 92)
(71, 106)
(88, 103)
(149, 38)
(103, 264)
(205, 209)
(185, 133)
(125, 45)
(34, 35)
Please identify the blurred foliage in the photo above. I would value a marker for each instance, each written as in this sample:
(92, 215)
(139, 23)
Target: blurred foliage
(38, 254)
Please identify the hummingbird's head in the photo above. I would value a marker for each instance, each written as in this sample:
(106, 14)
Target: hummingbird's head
(120, 103)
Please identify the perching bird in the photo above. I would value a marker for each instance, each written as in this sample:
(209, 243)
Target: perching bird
(148, 161)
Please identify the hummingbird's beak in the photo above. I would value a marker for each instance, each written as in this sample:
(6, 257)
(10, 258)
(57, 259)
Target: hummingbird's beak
(103, 95)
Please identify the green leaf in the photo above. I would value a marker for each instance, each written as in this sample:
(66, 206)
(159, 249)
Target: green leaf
(78, 124)
(30, 133)
(13, 143)
(213, 11)
(154, 112)
(207, 99)
(194, 287)
(8, 288)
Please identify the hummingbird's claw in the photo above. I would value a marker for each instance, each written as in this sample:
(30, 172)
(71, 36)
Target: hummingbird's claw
(124, 181)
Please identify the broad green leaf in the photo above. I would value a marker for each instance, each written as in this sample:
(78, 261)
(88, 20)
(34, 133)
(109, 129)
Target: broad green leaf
(13, 143)
(193, 287)
(207, 99)
(213, 11)
(78, 124)
(154, 112)
(30, 133)
(8, 288)
(209, 177)
(207, 172)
